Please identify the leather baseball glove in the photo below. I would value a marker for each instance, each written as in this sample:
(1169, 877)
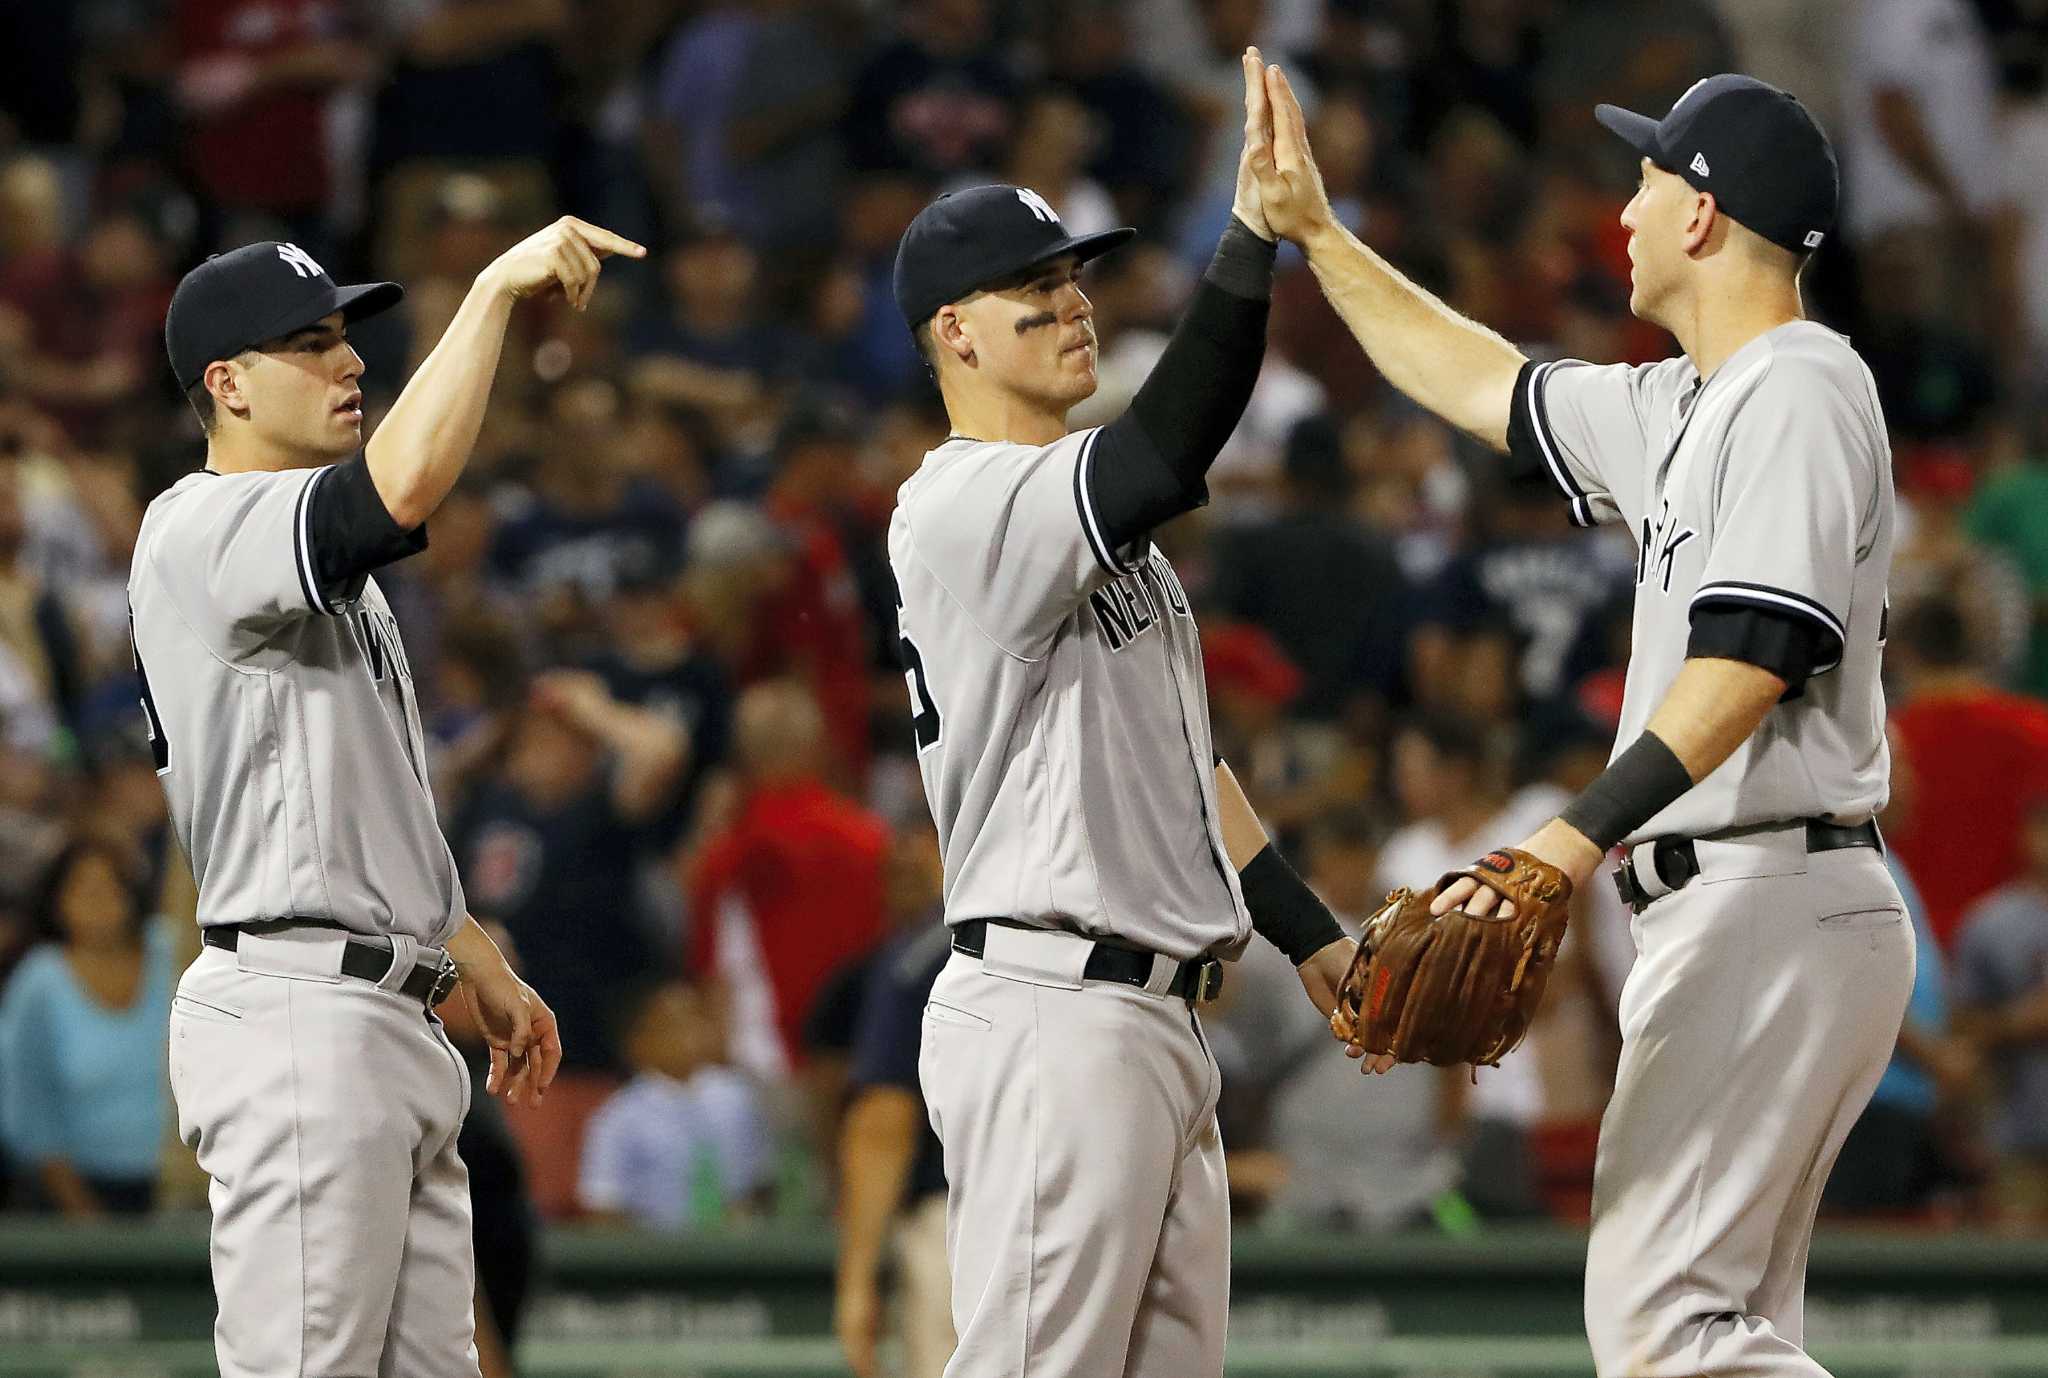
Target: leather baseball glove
(1457, 988)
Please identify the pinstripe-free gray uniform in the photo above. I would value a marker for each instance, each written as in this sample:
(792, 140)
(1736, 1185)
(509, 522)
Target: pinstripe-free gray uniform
(1063, 735)
(324, 1107)
(1767, 994)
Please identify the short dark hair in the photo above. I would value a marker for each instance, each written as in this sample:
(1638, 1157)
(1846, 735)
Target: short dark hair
(43, 910)
(203, 406)
(927, 344)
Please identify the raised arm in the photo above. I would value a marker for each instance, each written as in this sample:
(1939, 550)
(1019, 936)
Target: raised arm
(1455, 367)
(421, 447)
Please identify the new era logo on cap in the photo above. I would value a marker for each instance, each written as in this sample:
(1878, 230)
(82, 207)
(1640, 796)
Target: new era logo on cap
(1813, 239)
(1699, 164)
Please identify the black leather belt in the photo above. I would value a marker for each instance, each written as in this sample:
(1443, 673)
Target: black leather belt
(1198, 979)
(366, 959)
(1675, 861)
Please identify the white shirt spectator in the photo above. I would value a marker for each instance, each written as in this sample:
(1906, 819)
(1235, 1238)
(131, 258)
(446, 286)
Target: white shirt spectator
(656, 1149)
(1936, 53)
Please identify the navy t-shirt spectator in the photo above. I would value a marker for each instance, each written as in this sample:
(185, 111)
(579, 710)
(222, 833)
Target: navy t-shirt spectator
(932, 109)
(565, 883)
(890, 1030)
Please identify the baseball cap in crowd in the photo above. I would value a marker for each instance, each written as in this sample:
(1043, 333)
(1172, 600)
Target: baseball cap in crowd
(1753, 147)
(239, 299)
(968, 239)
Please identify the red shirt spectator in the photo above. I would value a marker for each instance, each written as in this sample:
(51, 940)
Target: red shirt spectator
(804, 863)
(1977, 756)
(254, 76)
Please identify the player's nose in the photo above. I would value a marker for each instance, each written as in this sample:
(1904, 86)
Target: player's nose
(351, 364)
(1075, 306)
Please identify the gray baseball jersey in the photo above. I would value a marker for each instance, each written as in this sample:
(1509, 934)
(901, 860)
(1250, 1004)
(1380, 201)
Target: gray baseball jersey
(1768, 486)
(1061, 717)
(286, 730)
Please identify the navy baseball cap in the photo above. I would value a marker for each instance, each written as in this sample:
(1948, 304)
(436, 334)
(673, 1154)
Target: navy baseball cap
(1754, 147)
(968, 239)
(239, 299)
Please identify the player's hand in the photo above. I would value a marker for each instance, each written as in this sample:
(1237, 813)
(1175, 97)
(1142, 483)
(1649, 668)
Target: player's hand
(1290, 188)
(1258, 139)
(857, 1321)
(526, 1046)
(1556, 842)
(565, 254)
(1323, 973)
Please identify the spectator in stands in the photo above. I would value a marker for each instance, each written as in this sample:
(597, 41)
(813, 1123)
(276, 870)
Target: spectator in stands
(84, 322)
(1926, 207)
(256, 79)
(1273, 572)
(1450, 776)
(892, 1181)
(939, 98)
(38, 637)
(82, 1020)
(785, 886)
(815, 627)
(2009, 514)
(684, 1145)
(475, 85)
(712, 348)
(555, 801)
(1975, 752)
(1521, 607)
(2001, 988)
(1142, 150)
(1888, 1164)
(1937, 555)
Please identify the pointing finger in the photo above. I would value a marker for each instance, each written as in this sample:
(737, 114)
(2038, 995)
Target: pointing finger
(604, 241)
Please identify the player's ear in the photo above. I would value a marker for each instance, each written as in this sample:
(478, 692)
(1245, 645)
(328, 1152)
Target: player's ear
(1700, 228)
(225, 380)
(951, 334)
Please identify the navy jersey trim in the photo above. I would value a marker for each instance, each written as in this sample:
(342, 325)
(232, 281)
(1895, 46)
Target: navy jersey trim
(302, 548)
(1084, 506)
(1827, 655)
(1534, 439)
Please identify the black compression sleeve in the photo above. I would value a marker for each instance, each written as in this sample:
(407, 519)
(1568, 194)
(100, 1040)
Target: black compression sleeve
(350, 531)
(1787, 645)
(1152, 462)
(1629, 793)
(1285, 912)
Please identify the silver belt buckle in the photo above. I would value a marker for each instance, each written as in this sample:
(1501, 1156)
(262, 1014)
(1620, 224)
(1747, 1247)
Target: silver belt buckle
(1208, 981)
(445, 977)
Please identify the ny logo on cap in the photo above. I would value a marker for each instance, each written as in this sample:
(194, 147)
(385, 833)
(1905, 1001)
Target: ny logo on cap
(1037, 206)
(301, 261)
(1699, 164)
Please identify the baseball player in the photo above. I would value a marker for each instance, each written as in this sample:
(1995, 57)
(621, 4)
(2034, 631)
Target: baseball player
(1099, 859)
(310, 1076)
(1774, 960)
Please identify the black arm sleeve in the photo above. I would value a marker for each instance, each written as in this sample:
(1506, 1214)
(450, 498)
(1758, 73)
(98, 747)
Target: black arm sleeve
(350, 531)
(1151, 463)
(1787, 645)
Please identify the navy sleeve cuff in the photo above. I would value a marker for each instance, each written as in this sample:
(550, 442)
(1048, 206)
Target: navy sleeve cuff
(1533, 457)
(1788, 645)
(345, 533)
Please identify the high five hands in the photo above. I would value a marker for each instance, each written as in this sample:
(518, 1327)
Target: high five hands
(1279, 191)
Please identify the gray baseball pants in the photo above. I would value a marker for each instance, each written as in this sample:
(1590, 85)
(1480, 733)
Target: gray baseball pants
(325, 1109)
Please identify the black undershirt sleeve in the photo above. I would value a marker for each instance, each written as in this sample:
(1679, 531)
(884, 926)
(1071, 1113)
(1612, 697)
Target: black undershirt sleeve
(1787, 645)
(1151, 464)
(351, 532)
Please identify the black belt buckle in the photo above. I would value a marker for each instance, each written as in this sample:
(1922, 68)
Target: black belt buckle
(445, 977)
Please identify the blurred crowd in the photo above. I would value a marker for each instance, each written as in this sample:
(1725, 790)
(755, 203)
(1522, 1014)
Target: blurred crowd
(654, 640)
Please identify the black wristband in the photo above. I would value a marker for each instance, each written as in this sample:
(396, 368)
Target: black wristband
(1285, 912)
(1243, 265)
(1629, 793)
